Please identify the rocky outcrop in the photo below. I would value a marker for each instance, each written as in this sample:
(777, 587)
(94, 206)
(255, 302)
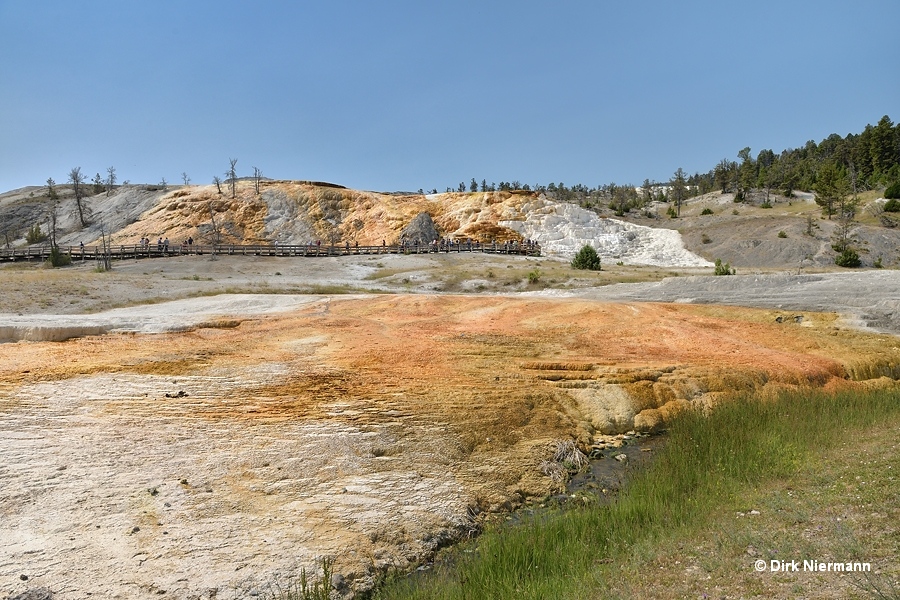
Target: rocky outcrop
(563, 228)
(421, 229)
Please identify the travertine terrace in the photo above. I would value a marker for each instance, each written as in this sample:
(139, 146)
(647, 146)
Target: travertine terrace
(205, 462)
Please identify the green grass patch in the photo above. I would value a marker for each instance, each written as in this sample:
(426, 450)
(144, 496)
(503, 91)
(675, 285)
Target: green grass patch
(711, 463)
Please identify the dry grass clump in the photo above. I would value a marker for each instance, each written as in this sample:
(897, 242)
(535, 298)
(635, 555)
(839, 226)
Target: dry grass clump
(566, 460)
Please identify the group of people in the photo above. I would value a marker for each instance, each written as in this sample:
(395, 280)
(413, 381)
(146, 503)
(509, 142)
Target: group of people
(162, 244)
(451, 245)
(436, 245)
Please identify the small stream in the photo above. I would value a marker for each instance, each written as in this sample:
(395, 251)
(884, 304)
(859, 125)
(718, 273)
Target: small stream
(600, 482)
(604, 476)
(607, 474)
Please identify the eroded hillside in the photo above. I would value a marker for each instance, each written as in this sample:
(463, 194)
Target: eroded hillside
(782, 233)
(300, 213)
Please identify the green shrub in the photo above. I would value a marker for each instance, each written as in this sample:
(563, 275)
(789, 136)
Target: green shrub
(892, 205)
(765, 205)
(58, 258)
(706, 211)
(782, 234)
(723, 269)
(848, 258)
(893, 191)
(586, 258)
(671, 212)
(534, 276)
(35, 235)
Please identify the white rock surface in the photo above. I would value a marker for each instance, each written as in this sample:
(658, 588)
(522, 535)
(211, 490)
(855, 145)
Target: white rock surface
(177, 315)
(109, 488)
(562, 229)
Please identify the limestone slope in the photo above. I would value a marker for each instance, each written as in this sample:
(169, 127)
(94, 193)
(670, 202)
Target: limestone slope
(295, 212)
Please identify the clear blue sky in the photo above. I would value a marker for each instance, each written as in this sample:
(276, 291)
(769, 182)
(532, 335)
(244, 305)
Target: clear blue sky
(402, 95)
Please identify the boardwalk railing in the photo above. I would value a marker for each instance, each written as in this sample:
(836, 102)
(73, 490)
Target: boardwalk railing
(136, 251)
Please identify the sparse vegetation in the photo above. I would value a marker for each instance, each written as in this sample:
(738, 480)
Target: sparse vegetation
(534, 276)
(302, 587)
(706, 211)
(843, 244)
(782, 234)
(723, 268)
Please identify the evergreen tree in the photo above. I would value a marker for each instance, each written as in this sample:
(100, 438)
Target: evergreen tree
(678, 193)
(831, 188)
(586, 258)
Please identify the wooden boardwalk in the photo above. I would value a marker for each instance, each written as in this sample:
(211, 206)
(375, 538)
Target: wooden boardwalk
(154, 250)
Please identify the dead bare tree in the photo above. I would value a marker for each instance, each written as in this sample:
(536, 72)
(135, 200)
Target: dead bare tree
(185, 178)
(218, 182)
(110, 180)
(877, 211)
(104, 260)
(53, 205)
(217, 236)
(231, 175)
(257, 176)
(76, 178)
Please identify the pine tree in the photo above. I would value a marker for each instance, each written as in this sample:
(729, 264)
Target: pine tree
(586, 258)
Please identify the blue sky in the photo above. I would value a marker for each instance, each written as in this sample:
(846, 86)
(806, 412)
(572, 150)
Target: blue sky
(402, 95)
